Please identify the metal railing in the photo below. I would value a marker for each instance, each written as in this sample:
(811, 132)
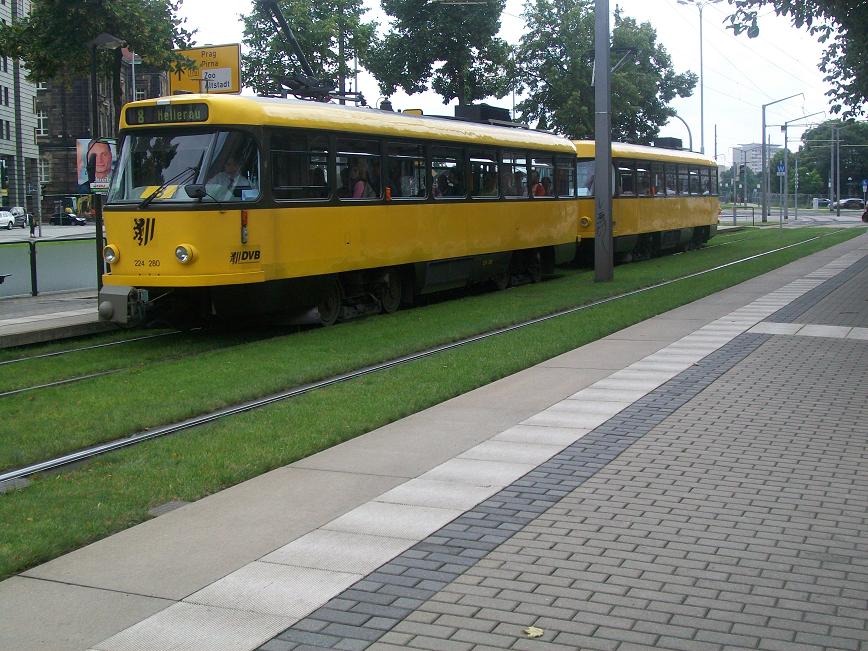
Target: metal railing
(34, 266)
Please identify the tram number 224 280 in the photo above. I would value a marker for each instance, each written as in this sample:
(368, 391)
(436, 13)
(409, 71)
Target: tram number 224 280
(147, 263)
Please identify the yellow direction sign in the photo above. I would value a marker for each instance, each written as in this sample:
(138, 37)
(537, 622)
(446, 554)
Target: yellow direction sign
(217, 70)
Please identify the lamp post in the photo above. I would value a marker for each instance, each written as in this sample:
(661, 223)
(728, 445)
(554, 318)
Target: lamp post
(689, 133)
(764, 172)
(603, 241)
(787, 163)
(103, 41)
(700, 4)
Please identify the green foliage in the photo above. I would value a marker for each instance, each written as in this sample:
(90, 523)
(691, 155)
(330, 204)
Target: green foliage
(815, 154)
(556, 63)
(453, 46)
(53, 40)
(840, 25)
(319, 27)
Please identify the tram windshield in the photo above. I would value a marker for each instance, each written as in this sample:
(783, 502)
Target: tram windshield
(163, 162)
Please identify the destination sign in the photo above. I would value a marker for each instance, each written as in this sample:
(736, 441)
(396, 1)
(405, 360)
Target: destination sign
(169, 113)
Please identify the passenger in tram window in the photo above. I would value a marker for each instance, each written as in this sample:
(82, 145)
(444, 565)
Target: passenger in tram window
(519, 187)
(547, 186)
(345, 191)
(489, 185)
(441, 185)
(359, 181)
(536, 188)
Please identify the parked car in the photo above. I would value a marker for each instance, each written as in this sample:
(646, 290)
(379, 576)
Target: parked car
(7, 220)
(67, 219)
(20, 215)
(852, 202)
(821, 203)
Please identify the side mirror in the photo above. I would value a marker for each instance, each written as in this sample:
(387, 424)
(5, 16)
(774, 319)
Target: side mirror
(195, 190)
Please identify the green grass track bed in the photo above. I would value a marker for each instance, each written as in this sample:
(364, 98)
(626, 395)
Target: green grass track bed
(60, 512)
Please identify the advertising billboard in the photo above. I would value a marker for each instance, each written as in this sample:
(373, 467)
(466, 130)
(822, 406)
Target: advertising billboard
(104, 154)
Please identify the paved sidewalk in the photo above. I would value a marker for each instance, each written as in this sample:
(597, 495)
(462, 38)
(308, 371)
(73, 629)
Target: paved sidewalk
(696, 481)
(50, 316)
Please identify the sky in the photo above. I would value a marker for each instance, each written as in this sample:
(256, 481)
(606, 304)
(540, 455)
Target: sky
(739, 74)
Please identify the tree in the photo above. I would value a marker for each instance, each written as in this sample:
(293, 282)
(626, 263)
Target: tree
(815, 153)
(556, 64)
(53, 40)
(330, 32)
(453, 45)
(841, 25)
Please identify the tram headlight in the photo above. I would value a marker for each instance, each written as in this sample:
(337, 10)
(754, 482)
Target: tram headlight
(111, 254)
(185, 253)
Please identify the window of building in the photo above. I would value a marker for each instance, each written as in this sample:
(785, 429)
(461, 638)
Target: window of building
(5, 95)
(299, 166)
(140, 93)
(483, 174)
(447, 168)
(41, 85)
(513, 175)
(8, 130)
(405, 171)
(44, 170)
(358, 169)
(41, 123)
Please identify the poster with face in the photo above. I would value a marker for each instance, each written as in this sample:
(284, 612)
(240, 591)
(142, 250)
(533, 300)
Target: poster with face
(103, 152)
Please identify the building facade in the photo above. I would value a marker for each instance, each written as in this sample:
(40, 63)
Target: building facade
(63, 117)
(18, 149)
(752, 154)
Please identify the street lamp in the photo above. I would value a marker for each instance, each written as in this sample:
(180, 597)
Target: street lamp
(103, 41)
(700, 4)
(764, 171)
(689, 133)
(787, 164)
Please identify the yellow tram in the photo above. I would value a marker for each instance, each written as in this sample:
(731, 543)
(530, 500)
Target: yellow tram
(228, 206)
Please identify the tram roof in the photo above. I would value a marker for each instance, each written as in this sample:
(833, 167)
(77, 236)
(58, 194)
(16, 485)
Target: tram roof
(248, 110)
(585, 149)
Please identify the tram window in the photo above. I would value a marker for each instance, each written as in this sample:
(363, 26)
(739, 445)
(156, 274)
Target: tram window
(714, 182)
(625, 179)
(299, 167)
(483, 174)
(643, 180)
(447, 168)
(704, 181)
(585, 178)
(357, 165)
(694, 183)
(233, 173)
(671, 180)
(513, 175)
(683, 180)
(565, 177)
(405, 170)
(541, 183)
(658, 180)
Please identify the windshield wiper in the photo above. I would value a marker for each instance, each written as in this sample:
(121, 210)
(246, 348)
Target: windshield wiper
(147, 200)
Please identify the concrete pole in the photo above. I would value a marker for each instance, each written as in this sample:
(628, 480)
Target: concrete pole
(786, 177)
(765, 198)
(838, 168)
(603, 249)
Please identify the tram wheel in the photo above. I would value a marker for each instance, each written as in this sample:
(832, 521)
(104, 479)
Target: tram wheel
(534, 266)
(392, 293)
(330, 303)
(501, 280)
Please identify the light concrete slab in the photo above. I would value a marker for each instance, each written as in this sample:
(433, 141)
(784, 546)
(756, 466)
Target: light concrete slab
(190, 627)
(511, 452)
(532, 390)
(606, 354)
(774, 328)
(533, 434)
(438, 494)
(417, 443)
(273, 589)
(393, 520)
(574, 413)
(835, 332)
(630, 384)
(340, 551)
(203, 541)
(43, 615)
(478, 473)
(660, 328)
(611, 397)
(858, 333)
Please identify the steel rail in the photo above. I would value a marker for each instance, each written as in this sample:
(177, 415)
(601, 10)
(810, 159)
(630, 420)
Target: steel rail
(140, 437)
(47, 385)
(76, 350)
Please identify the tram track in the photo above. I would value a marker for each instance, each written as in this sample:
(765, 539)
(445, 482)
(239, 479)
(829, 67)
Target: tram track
(57, 353)
(249, 405)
